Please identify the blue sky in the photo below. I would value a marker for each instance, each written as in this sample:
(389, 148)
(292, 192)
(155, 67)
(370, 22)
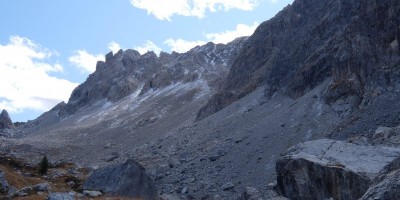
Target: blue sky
(48, 47)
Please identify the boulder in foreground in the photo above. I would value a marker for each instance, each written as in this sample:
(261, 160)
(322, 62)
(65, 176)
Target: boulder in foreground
(323, 169)
(126, 180)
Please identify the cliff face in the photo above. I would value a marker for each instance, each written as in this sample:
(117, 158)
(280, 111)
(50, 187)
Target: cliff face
(356, 43)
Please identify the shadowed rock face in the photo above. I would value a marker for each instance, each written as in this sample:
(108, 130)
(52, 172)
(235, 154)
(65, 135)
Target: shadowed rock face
(126, 180)
(354, 42)
(386, 185)
(324, 169)
(5, 120)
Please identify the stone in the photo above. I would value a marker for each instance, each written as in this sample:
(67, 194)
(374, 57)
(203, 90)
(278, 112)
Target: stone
(251, 193)
(189, 180)
(25, 191)
(112, 157)
(169, 197)
(90, 193)
(60, 196)
(387, 136)
(227, 186)
(108, 146)
(128, 179)
(42, 187)
(4, 186)
(272, 195)
(161, 171)
(272, 185)
(323, 169)
(382, 133)
(5, 120)
(11, 190)
(386, 185)
(184, 190)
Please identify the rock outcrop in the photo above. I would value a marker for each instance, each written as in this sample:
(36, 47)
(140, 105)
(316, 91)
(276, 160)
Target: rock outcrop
(356, 43)
(5, 120)
(324, 169)
(124, 180)
(386, 185)
(388, 136)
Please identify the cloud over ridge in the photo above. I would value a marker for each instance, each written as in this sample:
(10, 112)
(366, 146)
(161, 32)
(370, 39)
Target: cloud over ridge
(26, 77)
(164, 10)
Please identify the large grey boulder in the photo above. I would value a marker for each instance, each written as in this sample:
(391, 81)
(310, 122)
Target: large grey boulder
(386, 185)
(5, 120)
(126, 180)
(323, 169)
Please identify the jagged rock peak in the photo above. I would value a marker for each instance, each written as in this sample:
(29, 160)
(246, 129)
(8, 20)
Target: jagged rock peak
(127, 72)
(5, 120)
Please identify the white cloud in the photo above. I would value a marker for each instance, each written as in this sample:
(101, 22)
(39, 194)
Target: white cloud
(114, 47)
(227, 36)
(148, 46)
(182, 46)
(25, 82)
(164, 10)
(85, 61)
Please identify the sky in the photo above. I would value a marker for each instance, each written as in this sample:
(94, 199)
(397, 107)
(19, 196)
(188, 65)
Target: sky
(48, 47)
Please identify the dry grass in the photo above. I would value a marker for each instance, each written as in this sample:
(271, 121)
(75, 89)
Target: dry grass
(20, 175)
(18, 180)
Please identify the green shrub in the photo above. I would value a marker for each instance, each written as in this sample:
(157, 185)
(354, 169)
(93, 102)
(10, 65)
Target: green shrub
(44, 166)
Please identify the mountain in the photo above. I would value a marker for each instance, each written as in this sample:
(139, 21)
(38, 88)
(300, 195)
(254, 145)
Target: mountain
(212, 122)
(129, 88)
(128, 72)
(356, 43)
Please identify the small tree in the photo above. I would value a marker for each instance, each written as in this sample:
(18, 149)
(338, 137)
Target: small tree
(43, 166)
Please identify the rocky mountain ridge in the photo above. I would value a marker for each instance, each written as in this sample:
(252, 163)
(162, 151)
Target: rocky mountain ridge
(127, 71)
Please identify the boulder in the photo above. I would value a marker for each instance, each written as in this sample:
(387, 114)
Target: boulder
(4, 186)
(42, 187)
(251, 193)
(227, 186)
(323, 169)
(5, 120)
(60, 196)
(387, 136)
(90, 193)
(386, 185)
(126, 180)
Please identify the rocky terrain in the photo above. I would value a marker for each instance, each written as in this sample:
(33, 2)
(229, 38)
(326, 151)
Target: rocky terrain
(245, 120)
